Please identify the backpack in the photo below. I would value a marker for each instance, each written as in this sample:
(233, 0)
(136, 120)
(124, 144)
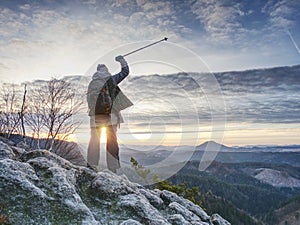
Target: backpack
(105, 98)
(101, 95)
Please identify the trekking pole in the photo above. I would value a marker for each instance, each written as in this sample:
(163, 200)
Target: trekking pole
(139, 49)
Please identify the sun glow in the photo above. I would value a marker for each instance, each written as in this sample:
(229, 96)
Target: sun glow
(103, 137)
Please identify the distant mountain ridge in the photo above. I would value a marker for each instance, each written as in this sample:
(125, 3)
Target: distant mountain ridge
(214, 146)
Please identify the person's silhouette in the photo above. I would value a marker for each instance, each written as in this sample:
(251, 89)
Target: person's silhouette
(105, 101)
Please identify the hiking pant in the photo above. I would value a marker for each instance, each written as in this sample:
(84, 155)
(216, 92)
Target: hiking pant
(112, 147)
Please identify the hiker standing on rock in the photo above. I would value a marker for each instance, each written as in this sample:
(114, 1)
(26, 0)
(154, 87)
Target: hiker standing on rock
(105, 101)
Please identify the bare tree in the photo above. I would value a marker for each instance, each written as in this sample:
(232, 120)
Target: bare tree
(2, 122)
(46, 112)
(34, 117)
(10, 110)
(57, 104)
(22, 112)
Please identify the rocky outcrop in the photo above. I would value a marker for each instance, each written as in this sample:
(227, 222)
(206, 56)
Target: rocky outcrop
(277, 178)
(39, 187)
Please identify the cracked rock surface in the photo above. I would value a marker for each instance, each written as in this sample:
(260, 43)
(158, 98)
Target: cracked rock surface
(39, 187)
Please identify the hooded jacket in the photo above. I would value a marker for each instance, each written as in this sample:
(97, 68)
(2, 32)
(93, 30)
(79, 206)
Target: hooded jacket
(121, 101)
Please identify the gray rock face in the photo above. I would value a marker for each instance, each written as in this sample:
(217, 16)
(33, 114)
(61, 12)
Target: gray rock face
(110, 185)
(216, 219)
(177, 219)
(140, 206)
(39, 187)
(20, 174)
(130, 222)
(172, 197)
(152, 197)
(6, 151)
(180, 209)
(23, 145)
(6, 141)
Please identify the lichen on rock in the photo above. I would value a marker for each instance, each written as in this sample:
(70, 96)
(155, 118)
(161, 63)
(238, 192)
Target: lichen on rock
(40, 187)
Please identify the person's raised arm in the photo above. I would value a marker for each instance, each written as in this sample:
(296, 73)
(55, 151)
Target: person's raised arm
(124, 71)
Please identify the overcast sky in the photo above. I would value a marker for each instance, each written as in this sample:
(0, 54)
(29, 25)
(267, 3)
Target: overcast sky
(40, 39)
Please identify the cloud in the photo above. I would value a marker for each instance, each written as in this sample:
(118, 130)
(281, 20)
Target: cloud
(25, 7)
(90, 2)
(219, 18)
(245, 33)
(262, 96)
(254, 96)
(275, 79)
(157, 9)
(282, 13)
(65, 37)
(276, 110)
(11, 23)
(105, 21)
(52, 41)
(283, 79)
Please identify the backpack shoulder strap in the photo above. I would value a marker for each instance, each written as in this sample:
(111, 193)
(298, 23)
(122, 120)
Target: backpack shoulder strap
(111, 88)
